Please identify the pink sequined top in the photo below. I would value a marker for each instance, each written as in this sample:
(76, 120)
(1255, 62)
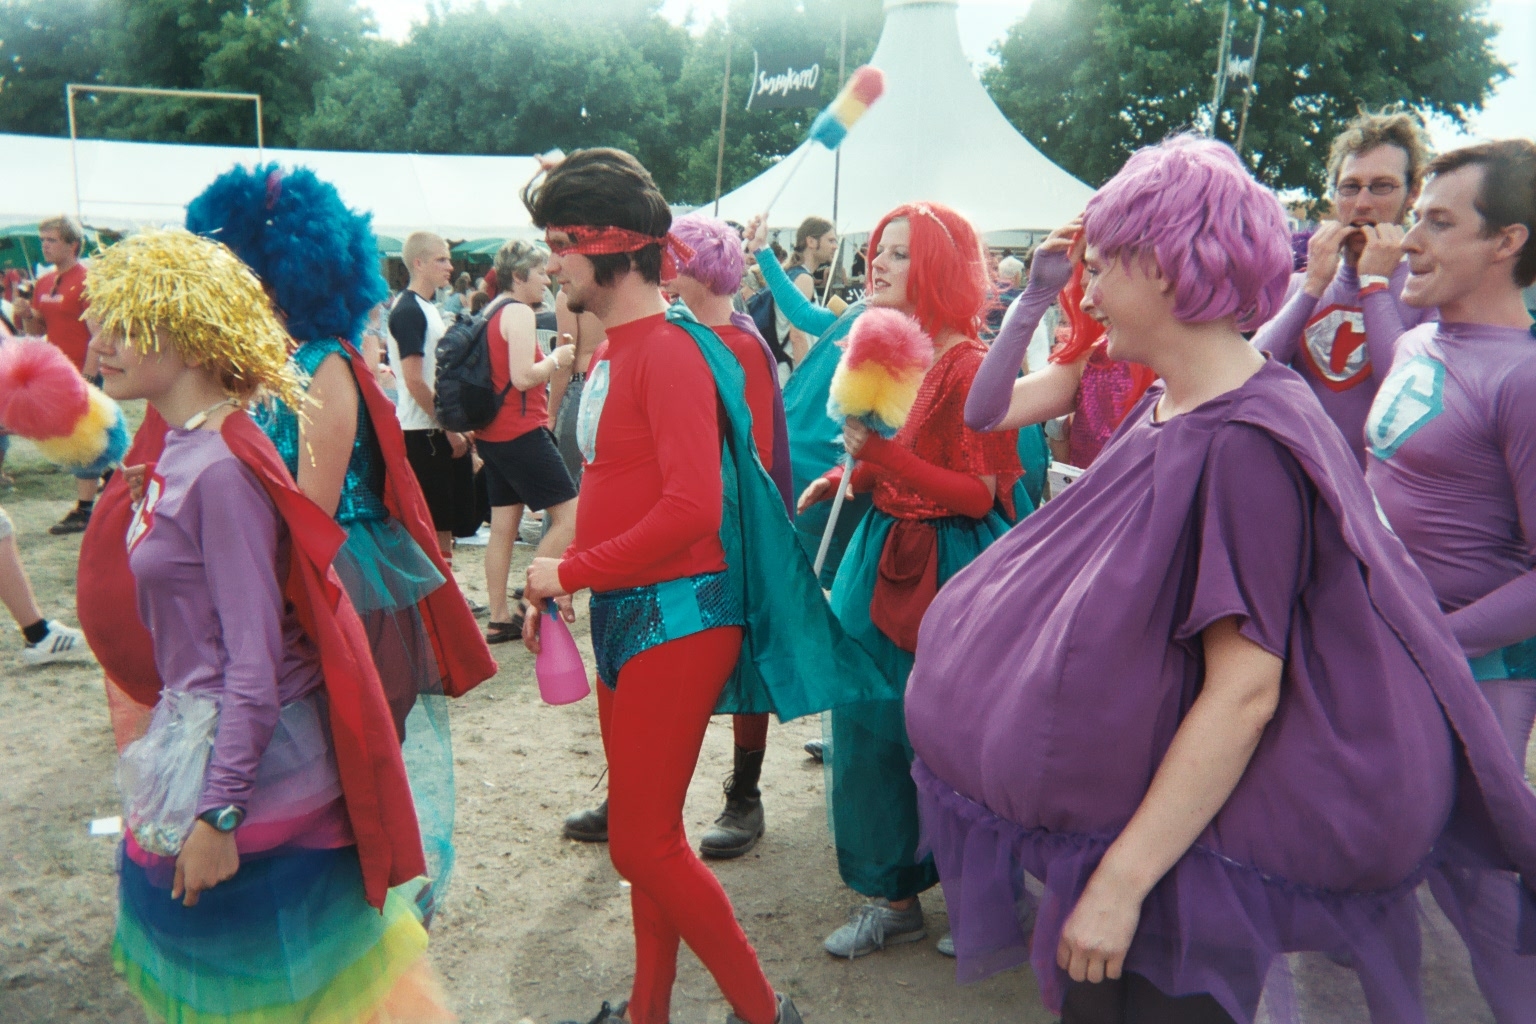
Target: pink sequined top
(1104, 395)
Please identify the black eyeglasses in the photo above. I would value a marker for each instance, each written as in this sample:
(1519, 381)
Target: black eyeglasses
(1350, 189)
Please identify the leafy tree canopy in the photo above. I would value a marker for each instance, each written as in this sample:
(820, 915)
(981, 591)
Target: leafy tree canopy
(1091, 81)
(1088, 81)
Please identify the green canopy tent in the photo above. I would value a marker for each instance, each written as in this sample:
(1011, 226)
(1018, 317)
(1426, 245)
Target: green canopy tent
(477, 250)
(388, 246)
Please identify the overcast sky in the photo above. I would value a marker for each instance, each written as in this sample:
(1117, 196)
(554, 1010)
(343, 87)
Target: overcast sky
(1511, 111)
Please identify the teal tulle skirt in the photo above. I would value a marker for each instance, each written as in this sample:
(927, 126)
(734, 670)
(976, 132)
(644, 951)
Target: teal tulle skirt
(386, 574)
(872, 803)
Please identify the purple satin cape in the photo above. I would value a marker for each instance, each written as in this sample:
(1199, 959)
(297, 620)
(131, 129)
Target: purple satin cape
(1051, 677)
(779, 471)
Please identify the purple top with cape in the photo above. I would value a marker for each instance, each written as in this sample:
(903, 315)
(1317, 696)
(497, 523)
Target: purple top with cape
(1250, 506)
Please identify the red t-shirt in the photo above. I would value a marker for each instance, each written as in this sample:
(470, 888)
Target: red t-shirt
(749, 353)
(60, 301)
(522, 412)
(651, 495)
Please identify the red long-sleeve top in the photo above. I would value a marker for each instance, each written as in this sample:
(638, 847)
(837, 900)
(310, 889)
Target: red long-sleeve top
(749, 353)
(651, 496)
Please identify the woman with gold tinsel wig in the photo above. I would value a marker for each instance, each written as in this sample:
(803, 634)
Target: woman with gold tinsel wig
(267, 807)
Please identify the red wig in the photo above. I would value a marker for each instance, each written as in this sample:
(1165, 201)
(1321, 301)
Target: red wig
(1086, 333)
(948, 280)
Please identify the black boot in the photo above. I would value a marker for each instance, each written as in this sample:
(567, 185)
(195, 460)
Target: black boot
(737, 830)
(588, 826)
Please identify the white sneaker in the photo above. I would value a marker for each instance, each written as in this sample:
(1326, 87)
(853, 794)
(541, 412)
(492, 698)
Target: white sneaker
(59, 643)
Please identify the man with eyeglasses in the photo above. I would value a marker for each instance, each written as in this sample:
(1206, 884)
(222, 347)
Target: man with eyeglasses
(1344, 313)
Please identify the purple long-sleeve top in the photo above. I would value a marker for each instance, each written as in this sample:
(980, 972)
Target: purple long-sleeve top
(986, 406)
(209, 558)
(1342, 344)
(1452, 439)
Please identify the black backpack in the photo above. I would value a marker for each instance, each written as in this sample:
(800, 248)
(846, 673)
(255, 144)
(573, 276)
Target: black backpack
(761, 309)
(464, 396)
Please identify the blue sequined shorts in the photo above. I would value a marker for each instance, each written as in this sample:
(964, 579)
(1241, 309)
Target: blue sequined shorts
(627, 622)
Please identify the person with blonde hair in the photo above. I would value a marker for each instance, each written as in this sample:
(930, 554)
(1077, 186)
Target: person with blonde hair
(267, 809)
(1344, 313)
(522, 464)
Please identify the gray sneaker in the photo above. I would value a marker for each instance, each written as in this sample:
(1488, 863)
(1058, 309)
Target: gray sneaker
(947, 945)
(787, 1013)
(874, 926)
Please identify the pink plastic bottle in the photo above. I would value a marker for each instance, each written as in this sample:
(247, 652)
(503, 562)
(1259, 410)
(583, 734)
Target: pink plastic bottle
(562, 675)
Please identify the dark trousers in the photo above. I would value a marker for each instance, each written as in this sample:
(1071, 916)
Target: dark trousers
(1132, 999)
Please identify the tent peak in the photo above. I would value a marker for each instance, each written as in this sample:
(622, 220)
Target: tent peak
(892, 4)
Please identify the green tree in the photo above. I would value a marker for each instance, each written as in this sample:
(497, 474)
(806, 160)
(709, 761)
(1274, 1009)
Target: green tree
(43, 46)
(1090, 81)
(281, 49)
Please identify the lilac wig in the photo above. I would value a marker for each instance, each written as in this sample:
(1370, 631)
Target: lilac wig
(1214, 232)
(717, 261)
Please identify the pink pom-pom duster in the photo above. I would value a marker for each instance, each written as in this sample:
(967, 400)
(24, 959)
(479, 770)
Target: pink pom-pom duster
(42, 395)
(890, 338)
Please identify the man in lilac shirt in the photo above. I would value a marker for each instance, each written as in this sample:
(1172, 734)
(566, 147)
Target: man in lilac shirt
(1452, 439)
(1344, 313)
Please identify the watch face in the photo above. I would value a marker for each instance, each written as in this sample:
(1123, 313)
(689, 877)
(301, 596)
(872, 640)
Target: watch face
(228, 819)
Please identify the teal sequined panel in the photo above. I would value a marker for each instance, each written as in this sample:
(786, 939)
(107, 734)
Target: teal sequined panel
(627, 622)
(360, 492)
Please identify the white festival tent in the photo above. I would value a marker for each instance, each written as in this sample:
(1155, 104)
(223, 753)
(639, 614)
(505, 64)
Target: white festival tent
(129, 184)
(935, 135)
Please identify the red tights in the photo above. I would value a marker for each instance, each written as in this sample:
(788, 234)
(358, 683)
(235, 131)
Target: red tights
(653, 727)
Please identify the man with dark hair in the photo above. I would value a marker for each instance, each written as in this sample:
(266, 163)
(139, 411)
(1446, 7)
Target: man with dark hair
(667, 627)
(1343, 314)
(1452, 438)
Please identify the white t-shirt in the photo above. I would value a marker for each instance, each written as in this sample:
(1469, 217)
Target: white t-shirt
(415, 328)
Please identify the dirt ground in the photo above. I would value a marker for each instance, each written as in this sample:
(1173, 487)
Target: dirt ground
(536, 928)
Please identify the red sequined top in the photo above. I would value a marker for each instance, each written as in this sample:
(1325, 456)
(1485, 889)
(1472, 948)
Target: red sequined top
(936, 432)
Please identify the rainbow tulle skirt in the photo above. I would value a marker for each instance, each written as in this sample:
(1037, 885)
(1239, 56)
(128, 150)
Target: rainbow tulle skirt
(289, 939)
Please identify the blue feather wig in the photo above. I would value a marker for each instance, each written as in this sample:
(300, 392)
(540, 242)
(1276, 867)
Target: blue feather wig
(319, 259)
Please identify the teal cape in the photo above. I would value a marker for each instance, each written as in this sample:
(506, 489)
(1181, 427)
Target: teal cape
(816, 444)
(796, 660)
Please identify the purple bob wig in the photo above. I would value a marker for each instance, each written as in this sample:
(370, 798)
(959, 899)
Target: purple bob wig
(717, 261)
(1191, 207)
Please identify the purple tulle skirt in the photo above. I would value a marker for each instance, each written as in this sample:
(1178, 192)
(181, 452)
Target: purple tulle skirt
(1211, 925)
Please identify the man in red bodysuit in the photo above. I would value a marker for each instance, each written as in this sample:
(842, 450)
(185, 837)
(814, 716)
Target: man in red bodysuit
(666, 628)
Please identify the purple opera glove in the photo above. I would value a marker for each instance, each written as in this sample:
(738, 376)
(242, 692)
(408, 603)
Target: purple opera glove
(992, 389)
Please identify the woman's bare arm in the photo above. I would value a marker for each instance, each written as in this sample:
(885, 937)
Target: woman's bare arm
(1208, 756)
(326, 435)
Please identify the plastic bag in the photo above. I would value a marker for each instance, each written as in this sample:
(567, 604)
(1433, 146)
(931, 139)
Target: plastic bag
(160, 775)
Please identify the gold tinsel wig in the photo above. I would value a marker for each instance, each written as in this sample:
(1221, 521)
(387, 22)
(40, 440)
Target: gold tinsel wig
(205, 300)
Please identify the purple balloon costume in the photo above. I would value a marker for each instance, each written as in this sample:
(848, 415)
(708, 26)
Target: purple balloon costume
(1053, 672)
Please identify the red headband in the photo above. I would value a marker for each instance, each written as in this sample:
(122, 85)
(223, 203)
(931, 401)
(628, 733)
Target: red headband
(594, 241)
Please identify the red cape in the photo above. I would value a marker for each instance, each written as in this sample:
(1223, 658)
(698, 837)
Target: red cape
(105, 589)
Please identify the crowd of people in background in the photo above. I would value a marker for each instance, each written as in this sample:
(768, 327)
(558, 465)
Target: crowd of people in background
(1264, 667)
